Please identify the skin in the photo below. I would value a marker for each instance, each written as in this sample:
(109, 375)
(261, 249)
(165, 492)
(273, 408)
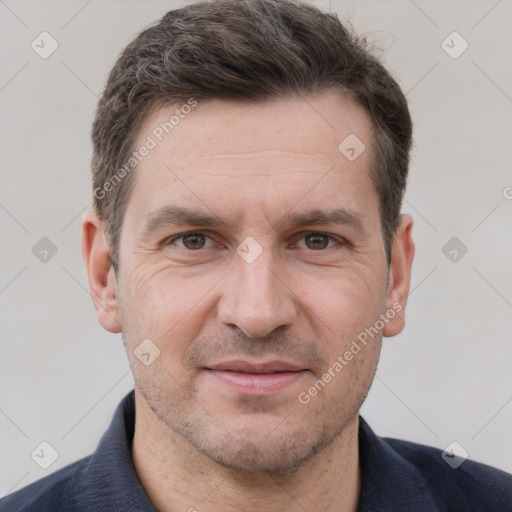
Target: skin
(198, 442)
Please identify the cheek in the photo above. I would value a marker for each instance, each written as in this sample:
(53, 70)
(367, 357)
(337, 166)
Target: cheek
(344, 301)
(161, 304)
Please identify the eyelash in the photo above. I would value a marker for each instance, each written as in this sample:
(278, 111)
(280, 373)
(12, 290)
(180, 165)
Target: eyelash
(339, 240)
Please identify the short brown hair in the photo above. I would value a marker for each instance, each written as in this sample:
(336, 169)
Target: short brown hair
(246, 50)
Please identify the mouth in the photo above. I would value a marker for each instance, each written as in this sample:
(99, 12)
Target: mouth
(257, 378)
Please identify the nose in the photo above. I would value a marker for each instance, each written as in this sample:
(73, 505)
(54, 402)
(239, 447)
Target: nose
(256, 298)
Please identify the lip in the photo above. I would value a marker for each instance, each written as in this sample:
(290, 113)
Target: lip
(257, 378)
(239, 365)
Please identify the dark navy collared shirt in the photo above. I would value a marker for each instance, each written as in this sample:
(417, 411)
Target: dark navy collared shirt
(397, 476)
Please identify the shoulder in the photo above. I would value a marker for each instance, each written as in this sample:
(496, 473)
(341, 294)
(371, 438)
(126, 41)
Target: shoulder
(105, 480)
(455, 481)
(402, 476)
(50, 492)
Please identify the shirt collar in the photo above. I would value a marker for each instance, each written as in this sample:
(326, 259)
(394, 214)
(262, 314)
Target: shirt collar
(111, 470)
(389, 482)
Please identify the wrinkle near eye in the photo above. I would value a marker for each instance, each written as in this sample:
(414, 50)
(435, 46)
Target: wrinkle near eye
(143, 278)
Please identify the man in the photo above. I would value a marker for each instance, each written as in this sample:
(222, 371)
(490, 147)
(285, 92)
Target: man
(250, 159)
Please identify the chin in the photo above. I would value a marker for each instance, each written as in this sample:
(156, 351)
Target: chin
(266, 447)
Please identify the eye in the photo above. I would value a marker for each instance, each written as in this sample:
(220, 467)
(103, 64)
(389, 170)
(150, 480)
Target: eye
(191, 241)
(197, 240)
(317, 241)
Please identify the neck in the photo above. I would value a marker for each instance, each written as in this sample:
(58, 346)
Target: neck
(176, 476)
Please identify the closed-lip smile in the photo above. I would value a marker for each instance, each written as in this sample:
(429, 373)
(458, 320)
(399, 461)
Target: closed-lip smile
(257, 378)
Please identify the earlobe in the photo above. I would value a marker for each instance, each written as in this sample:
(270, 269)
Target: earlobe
(102, 280)
(400, 275)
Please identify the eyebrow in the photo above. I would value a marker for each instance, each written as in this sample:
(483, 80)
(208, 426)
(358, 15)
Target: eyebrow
(172, 216)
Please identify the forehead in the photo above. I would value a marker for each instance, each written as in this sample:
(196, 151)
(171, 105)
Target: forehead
(262, 158)
(312, 126)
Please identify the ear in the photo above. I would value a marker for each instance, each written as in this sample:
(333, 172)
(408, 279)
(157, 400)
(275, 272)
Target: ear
(402, 255)
(102, 279)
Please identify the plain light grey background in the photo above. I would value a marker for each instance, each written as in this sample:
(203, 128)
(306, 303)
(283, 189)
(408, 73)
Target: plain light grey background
(445, 378)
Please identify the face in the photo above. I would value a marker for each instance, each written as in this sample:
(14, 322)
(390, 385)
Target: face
(252, 257)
